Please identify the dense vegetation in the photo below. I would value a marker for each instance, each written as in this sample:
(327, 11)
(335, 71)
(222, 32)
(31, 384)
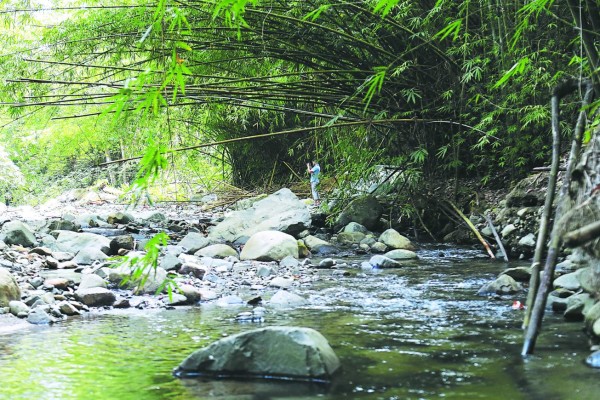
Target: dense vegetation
(441, 89)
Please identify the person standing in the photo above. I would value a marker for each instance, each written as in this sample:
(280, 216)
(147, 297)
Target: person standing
(314, 180)
(8, 198)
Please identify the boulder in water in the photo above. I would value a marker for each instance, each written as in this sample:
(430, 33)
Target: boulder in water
(593, 359)
(301, 354)
(504, 284)
(401, 254)
(394, 240)
(379, 261)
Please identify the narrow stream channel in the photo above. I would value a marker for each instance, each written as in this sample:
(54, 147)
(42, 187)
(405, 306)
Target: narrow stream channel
(419, 332)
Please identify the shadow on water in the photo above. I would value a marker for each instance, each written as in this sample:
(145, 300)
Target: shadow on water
(418, 332)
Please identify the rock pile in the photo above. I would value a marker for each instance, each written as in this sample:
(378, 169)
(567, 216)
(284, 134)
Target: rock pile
(61, 266)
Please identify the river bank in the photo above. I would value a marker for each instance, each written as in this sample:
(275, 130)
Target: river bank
(62, 284)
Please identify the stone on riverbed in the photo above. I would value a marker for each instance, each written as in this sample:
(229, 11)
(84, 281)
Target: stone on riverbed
(18, 308)
(91, 281)
(95, 297)
(193, 241)
(568, 281)
(395, 240)
(592, 318)
(355, 227)
(120, 218)
(170, 262)
(401, 254)
(284, 298)
(365, 210)
(301, 354)
(218, 250)
(521, 274)
(282, 211)
(379, 261)
(269, 246)
(38, 316)
(73, 242)
(9, 289)
(349, 238)
(88, 255)
(504, 284)
(281, 282)
(593, 359)
(16, 232)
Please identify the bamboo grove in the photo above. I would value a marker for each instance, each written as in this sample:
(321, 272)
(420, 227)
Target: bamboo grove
(441, 88)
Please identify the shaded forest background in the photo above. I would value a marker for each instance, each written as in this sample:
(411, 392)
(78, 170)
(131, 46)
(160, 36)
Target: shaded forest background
(444, 91)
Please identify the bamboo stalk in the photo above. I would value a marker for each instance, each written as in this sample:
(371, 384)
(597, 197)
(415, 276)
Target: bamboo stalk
(537, 314)
(473, 228)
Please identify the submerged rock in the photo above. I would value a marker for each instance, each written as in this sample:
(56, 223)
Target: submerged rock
(301, 354)
(379, 261)
(593, 359)
(504, 284)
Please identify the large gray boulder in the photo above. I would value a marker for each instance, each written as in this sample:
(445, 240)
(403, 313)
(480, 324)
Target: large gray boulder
(16, 232)
(282, 211)
(9, 289)
(364, 210)
(276, 352)
(73, 242)
(269, 246)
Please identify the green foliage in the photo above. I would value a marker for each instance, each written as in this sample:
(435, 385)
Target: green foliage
(143, 266)
(185, 73)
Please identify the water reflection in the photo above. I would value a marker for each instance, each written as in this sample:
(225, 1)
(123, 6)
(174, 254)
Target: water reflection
(418, 332)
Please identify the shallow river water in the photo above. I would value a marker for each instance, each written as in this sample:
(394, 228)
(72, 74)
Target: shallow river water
(419, 332)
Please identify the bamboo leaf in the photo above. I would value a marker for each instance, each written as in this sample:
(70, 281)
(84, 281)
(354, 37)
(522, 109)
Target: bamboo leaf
(384, 7)
(517, 69)
(450, 29)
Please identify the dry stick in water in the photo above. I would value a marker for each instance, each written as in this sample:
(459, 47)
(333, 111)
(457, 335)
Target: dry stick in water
(537, 313)
(493, 228)
(474, 229)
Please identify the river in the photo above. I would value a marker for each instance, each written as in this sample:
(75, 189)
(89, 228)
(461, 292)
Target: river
(418, 332)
